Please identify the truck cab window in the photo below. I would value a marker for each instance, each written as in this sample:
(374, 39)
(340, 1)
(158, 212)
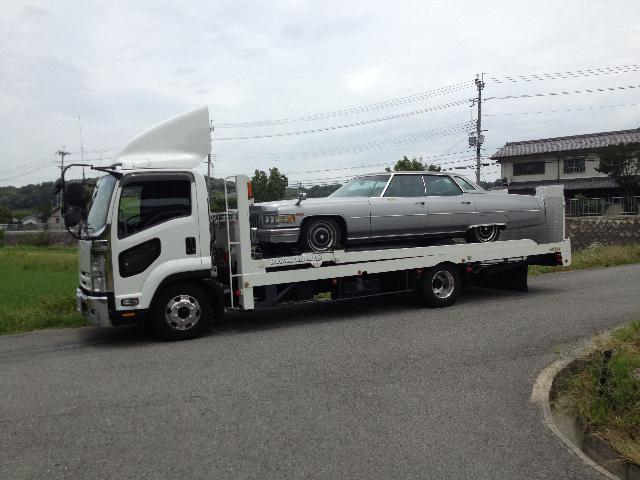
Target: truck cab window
(144, 204)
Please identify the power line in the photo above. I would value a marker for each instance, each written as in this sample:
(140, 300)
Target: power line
(353, 124)
(564, 110)
(570, 92)
(416, 97)
(364, 147)
(584, 73)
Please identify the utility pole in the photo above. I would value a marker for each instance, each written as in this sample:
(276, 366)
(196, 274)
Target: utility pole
(479, 137)
(62, 154)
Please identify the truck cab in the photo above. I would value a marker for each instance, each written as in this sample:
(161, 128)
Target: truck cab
(147, 228)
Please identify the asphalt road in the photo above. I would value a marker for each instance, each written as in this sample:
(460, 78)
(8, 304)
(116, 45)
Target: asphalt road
(368, 389)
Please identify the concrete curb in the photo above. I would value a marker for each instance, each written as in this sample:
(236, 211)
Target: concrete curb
(540, 395)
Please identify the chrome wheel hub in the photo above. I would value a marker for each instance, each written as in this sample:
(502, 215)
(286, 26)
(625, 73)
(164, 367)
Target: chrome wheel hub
(321, 237)
(182, 312)
(443, 284)
(486, 233)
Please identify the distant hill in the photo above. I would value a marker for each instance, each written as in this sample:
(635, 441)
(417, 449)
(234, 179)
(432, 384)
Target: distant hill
(27, 200)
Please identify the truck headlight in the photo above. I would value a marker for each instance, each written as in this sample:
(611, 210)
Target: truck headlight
(98, 272)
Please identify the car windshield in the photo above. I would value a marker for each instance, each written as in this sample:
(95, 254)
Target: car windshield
(100, 201)
(371, 186)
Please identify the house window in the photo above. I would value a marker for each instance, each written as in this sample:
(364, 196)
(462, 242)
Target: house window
(528, 168)
(574, 165)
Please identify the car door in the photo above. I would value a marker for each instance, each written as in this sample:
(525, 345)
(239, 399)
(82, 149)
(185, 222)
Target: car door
(401, 210)
(448, 208)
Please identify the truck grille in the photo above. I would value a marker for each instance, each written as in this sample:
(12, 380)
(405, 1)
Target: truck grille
(254, 220)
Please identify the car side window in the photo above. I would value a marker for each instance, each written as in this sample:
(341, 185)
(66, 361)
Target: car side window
(464, 185)
(405, 186)
(441, 186)
(144, 204)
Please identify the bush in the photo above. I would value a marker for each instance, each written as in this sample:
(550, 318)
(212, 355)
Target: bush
(1, 238)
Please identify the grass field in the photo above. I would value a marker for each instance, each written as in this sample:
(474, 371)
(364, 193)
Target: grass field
(606, 396)
(37, 288)
(38, 284)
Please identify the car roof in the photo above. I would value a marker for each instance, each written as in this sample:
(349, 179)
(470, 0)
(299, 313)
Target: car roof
(414, 172)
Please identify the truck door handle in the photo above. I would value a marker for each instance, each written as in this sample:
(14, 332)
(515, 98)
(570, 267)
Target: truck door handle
(466, 203)
(419, 203)
(190, 244)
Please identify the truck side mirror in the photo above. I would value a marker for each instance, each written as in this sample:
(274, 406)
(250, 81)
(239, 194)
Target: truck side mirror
(57, 186)
(72, 217)
(74, 195)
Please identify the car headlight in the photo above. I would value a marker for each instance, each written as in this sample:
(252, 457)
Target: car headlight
(287, 218)
(283, 218)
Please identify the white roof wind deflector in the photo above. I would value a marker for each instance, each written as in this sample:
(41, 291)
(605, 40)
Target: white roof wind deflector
(183, 141)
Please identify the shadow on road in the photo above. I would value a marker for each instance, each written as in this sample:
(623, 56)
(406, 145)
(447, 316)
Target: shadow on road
(284, 316)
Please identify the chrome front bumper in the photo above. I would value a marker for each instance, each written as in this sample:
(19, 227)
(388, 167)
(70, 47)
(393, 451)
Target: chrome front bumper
(94, 309)
(275, 235)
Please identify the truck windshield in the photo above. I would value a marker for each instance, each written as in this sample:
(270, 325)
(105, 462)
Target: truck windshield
(370, 186)
(100, 201)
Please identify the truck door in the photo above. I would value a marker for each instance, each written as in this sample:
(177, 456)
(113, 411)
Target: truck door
(156, 229)
(401, 210)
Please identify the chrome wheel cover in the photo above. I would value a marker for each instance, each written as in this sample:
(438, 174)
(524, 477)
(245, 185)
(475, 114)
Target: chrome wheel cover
(182, 312)
(443, 284)
(321, 236)
(487, 233)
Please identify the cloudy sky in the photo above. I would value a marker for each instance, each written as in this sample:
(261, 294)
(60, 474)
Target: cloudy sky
(330, 88)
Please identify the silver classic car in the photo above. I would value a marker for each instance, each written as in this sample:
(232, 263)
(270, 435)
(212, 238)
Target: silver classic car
(390, 206)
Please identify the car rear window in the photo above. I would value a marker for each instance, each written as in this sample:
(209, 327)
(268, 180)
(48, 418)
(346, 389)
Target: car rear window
(441, 186)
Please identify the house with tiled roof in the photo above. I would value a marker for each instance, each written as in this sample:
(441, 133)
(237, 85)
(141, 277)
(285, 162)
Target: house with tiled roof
(570, 161)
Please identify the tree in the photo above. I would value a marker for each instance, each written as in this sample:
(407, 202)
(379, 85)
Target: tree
(413, 165)
(622, 163)
(270, 187)
(5, 215)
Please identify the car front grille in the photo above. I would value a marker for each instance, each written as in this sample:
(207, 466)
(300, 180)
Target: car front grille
(254, 220)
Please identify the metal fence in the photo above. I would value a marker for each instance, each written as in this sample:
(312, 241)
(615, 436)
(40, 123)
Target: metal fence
(582, 207)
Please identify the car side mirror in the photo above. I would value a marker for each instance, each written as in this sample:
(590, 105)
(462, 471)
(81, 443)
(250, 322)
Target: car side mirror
(72, 217)
(74, 194)
(301, 196)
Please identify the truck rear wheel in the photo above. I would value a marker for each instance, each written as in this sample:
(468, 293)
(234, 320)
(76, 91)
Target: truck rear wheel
(181, 312)
(439, 286)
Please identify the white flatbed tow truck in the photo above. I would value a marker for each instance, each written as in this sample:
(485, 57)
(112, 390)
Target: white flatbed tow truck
(150, 251)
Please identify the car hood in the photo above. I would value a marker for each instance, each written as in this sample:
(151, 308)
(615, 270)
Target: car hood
(290, 205)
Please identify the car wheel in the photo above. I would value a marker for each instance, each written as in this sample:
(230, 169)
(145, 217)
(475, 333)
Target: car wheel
(483, 234)
(320, 235)
(439, 286)
(181, 312)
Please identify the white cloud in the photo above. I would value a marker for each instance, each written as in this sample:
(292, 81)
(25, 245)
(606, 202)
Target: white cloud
(367, 79)
(123, 66)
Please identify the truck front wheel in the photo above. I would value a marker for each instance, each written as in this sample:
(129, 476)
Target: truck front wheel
(181, 312)
(439, 286)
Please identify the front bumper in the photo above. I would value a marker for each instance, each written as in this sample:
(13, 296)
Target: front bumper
(276, 235)
(94, 309)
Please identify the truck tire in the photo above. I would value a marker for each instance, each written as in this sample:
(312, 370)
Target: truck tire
(321, 234)
(181, 312)
(483, 234)
(439, 286)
